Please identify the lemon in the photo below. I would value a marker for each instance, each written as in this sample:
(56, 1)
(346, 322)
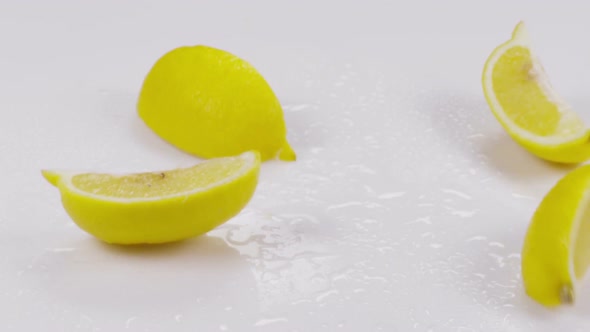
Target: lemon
(161, 206)
(211, 103)
(556, 251)
(521, 97)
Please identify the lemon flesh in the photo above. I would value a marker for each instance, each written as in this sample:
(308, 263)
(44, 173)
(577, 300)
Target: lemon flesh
(521, 97)
(211, 103)
(556, 251)
(158, 207)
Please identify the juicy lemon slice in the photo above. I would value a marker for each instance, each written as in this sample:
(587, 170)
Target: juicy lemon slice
(161, 206)
(524, 102)
(211, 103)
(556, 252)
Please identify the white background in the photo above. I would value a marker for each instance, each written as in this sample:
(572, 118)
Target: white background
(405, 211)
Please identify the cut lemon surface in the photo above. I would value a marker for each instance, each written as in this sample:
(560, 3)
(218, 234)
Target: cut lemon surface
(556, 252)
(211, 103)
(524, 102)
(158, 207)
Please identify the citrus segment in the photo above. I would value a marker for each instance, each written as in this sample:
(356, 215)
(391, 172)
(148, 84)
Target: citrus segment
(521, 97)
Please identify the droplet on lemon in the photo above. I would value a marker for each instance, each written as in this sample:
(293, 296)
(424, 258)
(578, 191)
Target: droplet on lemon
(158, 207)
(211, 103)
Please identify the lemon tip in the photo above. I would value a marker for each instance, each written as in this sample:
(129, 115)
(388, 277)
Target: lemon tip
(287, 153)
(520, 31)
(566, 294)
(51, 176)
(255, 154)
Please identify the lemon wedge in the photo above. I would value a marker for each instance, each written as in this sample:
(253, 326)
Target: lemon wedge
(521, 97)
(211, 103)
(158, 207)
(556, 251)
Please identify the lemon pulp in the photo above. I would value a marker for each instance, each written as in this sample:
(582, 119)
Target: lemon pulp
(157, 184)
(522, 99)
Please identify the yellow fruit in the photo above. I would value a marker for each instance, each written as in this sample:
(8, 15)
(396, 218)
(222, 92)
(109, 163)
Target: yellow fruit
(211, 103)
(556, 252)
(524, 102)
(161, 206)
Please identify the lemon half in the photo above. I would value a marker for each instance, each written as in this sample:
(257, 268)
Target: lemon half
(158, 207)
(521, 97)
(211, 103)
(556, 252)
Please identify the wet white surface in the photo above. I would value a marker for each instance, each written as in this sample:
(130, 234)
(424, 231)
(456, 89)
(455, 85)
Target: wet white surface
(405, 211)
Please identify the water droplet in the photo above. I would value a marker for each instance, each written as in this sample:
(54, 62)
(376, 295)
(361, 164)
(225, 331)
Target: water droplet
(499, 259)
(476, 238)
(457, 193)
(369, 205)
(391, 195)
(521, 196)
(268, 321)
(422, 220)
(463, 214)
(324, 295)
(129, 322)
(59, 250)
(296, 107)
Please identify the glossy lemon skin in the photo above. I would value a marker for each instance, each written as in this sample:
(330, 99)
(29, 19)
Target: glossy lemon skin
(211, 103)
(548, 266)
